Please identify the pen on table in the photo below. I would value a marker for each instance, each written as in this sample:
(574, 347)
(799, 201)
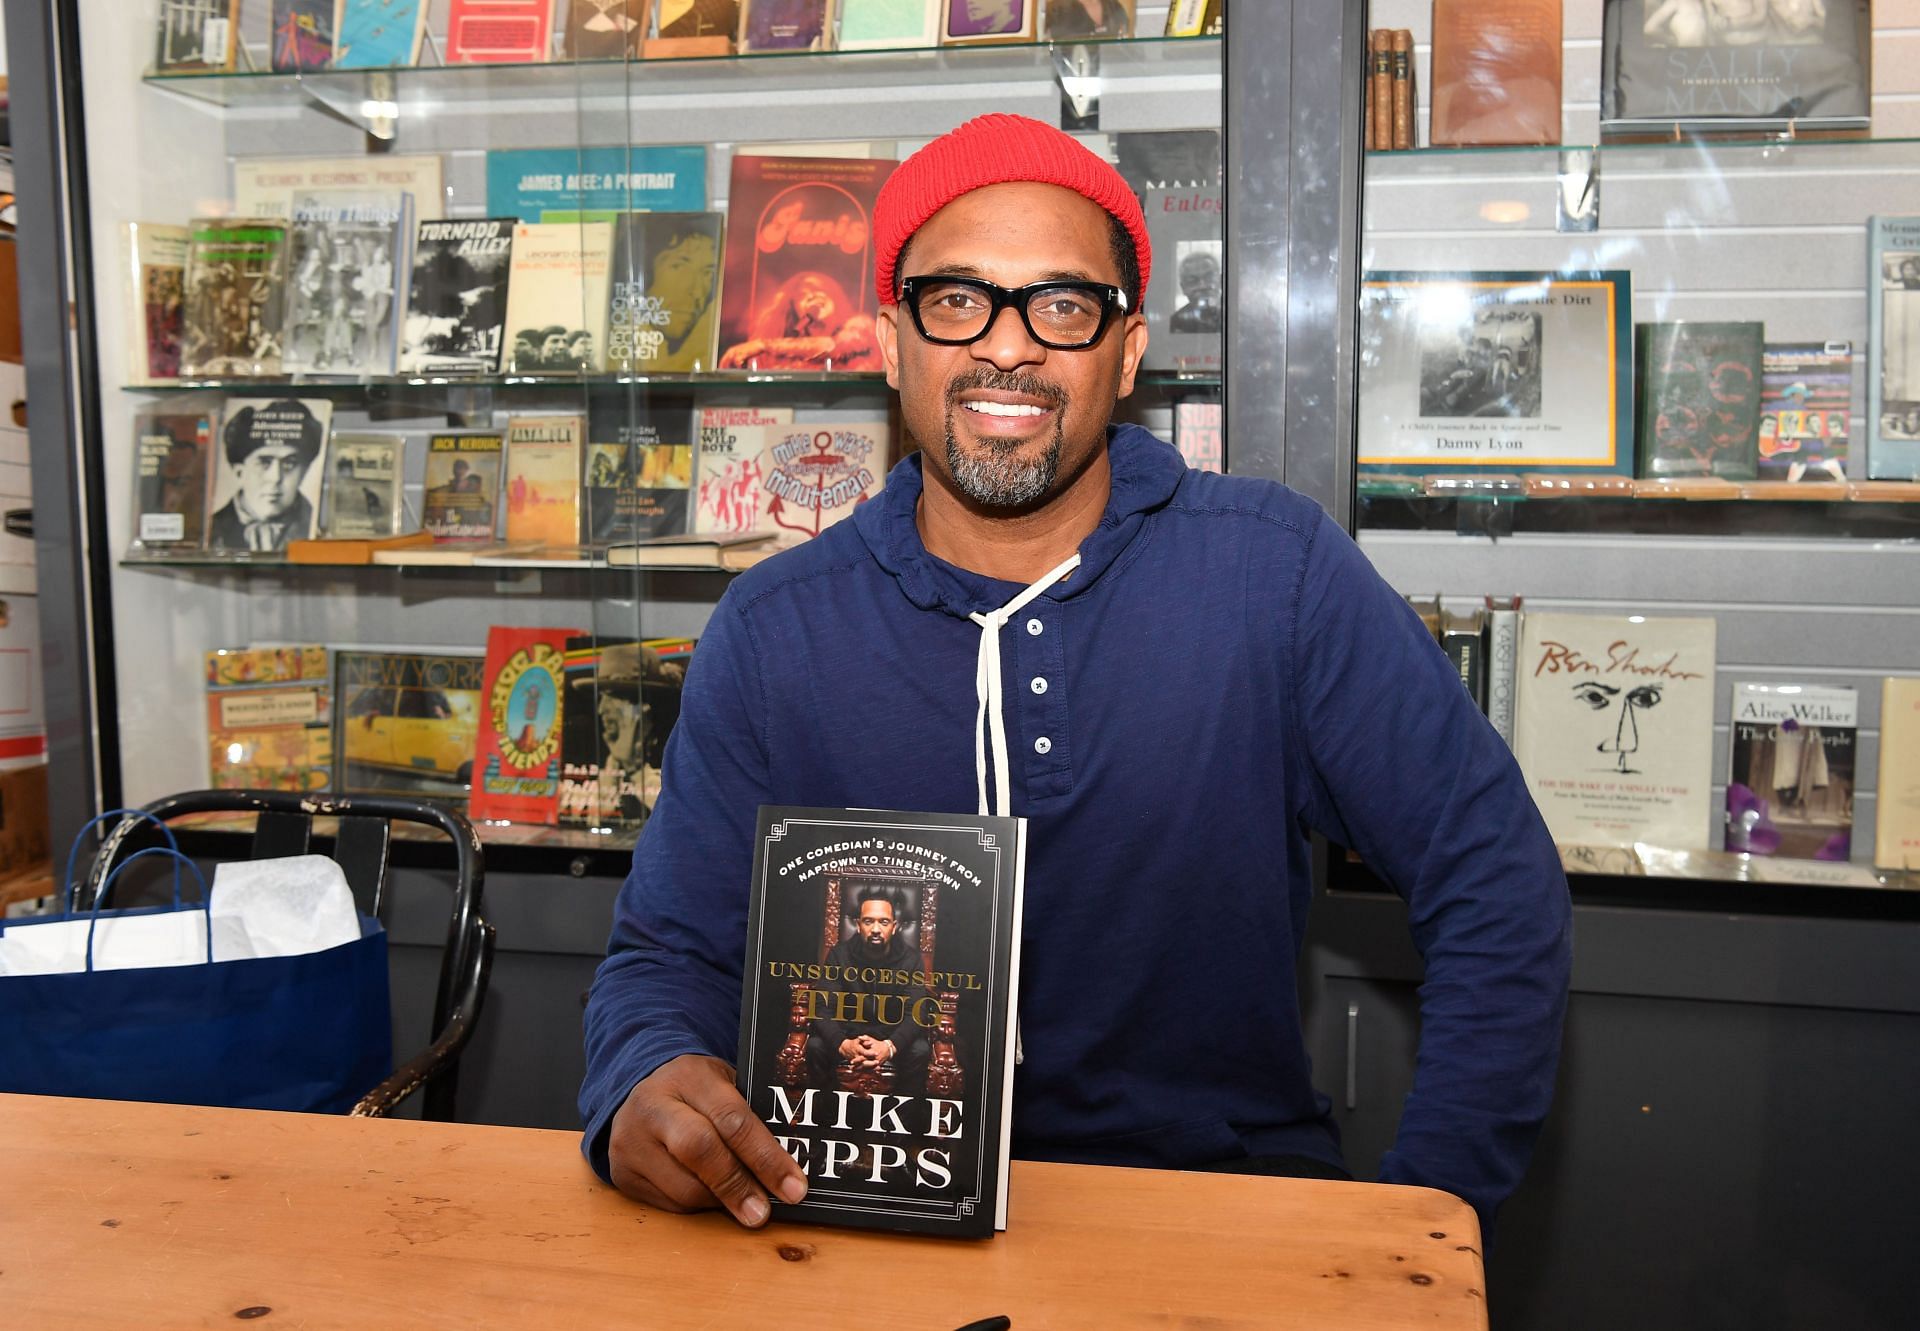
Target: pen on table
(1001, 1323)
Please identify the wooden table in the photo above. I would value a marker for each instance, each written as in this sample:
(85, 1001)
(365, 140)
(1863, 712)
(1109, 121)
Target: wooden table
(118, 1214)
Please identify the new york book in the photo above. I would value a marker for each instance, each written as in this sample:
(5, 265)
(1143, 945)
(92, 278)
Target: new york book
(462, 492)
(1790, 785)
(405, 723)
(1699, 398)
(878, 1012)
(343, 252)
(623, 698)
(798, 291)
(516, 774)
(155, 261)
(639, 466)
(236, 289)
(170, 479)
(542, 486)
(302, 35)
(1806, 410)
(666, 288)
(1893, 349)
(457, 305)
(268, 719)
(557, 297)
(1185, 316)
(1896, 830)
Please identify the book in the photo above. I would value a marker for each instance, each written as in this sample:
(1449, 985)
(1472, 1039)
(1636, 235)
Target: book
(1089, 20)
(970, 23)
(1613, 727)
(1368, 140)
(268, 476)
(587, 183)
(542, 484)
(798, 292)
(302, 35)
(344, 250)
(1195, 18)
(696, 549)
(1896, 831)
(798, 479)
(557, 297)
(1187, 316)
(361, 498)
(269, 714)
(1496, 72)
(604, 29)
(1893, 349)
(883, 25)
(1680, 67)
(700, 18)
(1403, 94)
(1463, 639)
(1380, 85)
(1197, 433)
(352, 550)
(405, 722)
(516, 773)
(445, 554)
(1791, 780)
(1170, 159)
(170, 480)
(879, 1012)
(457, 298)
(265, 186)
(154, 258)
(666, 287)
(623, 698)
(378, 34)
(1699, 398)
(481, 32)
(462, 492)
(1503, 655)
(639, 466)
(786, 25)
(1806, 410)
(236, 289)
(197, 36)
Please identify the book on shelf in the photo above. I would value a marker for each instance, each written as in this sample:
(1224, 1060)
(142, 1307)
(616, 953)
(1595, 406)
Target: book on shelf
(497, 32)
(691, 29)
(796, 479)
(268, 473)
(1613, 726)
(1463, 639)
(623, 698)
(965, 23)
(154, 259)
(197, 36)
(1893, 349)
(666, 293)
(1806, 411)
(1198, 433)
(604, 29)
(302, 35)
(639, 466)
(557, 297)
(1896, 835)
(1195, 18)
(1089, 20)
(269, 714)
(379, 34)
(1700, 387)
(461, 498)
(1168, 159)
(457, 299)
(1380, 86)
(894, 1093)
(885, 25)
(516, 769)
(344, 252)
(266, 186)
(1791, 779)
(542, 483)
(360, 499)
(1186, 317)
(1403, 117)
(405, 722)
(729, 551)
(1496, 72)
(595, 183)
(786, 25)
(236, 279)
(1503, 656)
(798, 291)
(447, 554)
(171, 463)
(353, 550)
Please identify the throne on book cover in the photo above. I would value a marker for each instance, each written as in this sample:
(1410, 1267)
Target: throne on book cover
(915, 902)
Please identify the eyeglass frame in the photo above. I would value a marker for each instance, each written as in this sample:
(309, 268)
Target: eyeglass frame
(1111, 298)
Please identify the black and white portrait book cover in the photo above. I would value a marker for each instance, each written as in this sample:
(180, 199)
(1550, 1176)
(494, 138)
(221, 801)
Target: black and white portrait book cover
(457, 305)
(1185, 301)
(345, 252)
(878, 1021)
(1893, 348)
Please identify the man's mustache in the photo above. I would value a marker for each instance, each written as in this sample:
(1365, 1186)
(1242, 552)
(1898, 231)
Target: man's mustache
(1002, 381)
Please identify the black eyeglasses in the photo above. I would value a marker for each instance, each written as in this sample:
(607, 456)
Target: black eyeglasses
(1065, 316)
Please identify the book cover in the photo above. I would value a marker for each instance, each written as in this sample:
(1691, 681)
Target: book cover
(496, 32)
(882, 25)
(197, 36)
(623, 698)
(1893, 349)
(543, 479)
(155, 259)
(1496, 71)
(1683, 67)
(1089, 20)
(516, 774)
(693, 550)
(972, 22)
(268, 473)
(457, 299)
(639, 466)
(1503, 657)
(1700, 398)
(666, 287)
(699, 18)
(1403, 93)
(1806, 410)
(1185, 317)
(796, 479)
(462, 486)
(361, 500)
(569, 184)
(1463, 639)
(557, 297)
(878, 1013)
(378, 34)
(1195, 18)
(1380, 85)
(344, 250)
(1613, 727)
(786, 25)
(1197, 433)
(269, 719)
(236, 290)
(1790, 785)
(302, 35)
(798, 292)
(170, 479)
(1167, 159)
(1896, 832)
(604, 29)
(265, 186)
(405, 723)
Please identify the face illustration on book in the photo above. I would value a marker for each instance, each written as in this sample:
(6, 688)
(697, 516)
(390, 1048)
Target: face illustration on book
(1625, 705)
(682, 278)
(1735, 22)
(980, 18)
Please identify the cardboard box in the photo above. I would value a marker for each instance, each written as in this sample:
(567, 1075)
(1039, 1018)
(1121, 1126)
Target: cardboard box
(23, 819)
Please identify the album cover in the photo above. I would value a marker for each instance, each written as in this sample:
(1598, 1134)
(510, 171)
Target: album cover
(155, 259)
(361, 500)
(302, 35)
(790, 480)
(378, 34)
(516, 775)
(170, 479)
(269, 715)
(1186, 317)
(639, 466)
(1893, 349)
(405, 723)
(265, 186)
(462, 486)
(1806, 410)
(623, 698)
(236, 292)
(592, 184)
(268, 467)
(344, 251)
(557, 297)
(666, 288)
(1790, 787)
(1700, 386)
(197, 36)
(457, 304)
(543, 480)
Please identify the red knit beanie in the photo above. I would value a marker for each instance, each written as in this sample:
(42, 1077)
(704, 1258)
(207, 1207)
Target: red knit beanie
(993, 150)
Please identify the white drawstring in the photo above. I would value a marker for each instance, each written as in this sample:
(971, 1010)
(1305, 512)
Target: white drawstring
(990, 723)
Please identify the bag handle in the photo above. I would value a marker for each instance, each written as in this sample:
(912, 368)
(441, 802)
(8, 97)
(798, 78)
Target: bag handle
(206, 894)
(70, 894)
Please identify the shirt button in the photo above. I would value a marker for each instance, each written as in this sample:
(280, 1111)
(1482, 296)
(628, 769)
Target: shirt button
(1034, 628)
(1043, 745)
(1039, 684)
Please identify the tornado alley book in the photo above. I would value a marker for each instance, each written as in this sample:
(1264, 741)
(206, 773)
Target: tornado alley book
(878, 1014)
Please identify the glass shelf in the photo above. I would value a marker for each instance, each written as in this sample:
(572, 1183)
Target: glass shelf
(1449, 163)
(718, 381)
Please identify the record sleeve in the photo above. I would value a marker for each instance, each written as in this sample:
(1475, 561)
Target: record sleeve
(267, 473)
(265, 186)
(457, 302)
(361, 500)
(405, 723)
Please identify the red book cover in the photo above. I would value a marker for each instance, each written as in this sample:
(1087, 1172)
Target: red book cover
(516, 765)
(798, 293)
(498, 32)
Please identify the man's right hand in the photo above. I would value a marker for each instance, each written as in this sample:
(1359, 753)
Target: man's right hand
(684, 1140)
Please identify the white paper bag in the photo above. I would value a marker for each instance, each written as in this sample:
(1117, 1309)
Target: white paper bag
(281, 908)
(120, 942)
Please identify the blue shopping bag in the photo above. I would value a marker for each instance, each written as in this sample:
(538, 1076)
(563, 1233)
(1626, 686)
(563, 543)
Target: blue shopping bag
(309, 1032)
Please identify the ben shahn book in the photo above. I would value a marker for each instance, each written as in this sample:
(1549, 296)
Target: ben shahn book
(878, 1021)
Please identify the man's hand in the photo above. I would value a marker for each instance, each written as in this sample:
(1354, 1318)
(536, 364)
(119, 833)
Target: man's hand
(684, 1140)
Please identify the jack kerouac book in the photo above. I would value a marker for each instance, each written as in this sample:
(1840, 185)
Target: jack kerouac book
(639, 466)
(405, 723)
(1185, 317)
(1613, 727)
(792, 480)
(268, 719)
(1806, 410)
(1790, 790)
(878, 1012)
(343, 252)
(458, 303)
(361, 500)
(1893, 349)
(623, 698)
(666, 289)
(156, 290)
(268, 467)
(557, 297)
(236, 290)
(1896, 833)
(516, 773)
(462, 496)
(542, 484)
(170, 479)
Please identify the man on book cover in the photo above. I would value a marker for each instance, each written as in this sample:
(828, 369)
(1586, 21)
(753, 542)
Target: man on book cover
(270, 450)
(1175, 676)
(897, 1049)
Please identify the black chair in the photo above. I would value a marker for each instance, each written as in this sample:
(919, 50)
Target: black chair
(360, 847)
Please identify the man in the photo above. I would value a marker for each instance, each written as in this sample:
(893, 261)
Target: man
(898, 1049)
(1200, 669)
(270, 450)
(1200, 310)
(680, 275)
